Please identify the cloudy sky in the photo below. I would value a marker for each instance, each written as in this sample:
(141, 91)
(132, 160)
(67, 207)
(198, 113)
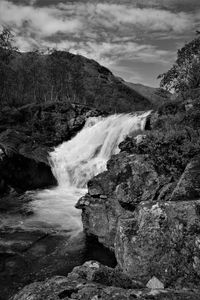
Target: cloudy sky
(135, 39)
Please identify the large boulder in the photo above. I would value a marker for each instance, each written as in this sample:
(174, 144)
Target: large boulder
(129, 180)
(161, 239)
(133, 210)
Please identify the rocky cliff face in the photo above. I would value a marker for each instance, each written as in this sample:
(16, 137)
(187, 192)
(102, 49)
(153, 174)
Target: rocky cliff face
(151, 223)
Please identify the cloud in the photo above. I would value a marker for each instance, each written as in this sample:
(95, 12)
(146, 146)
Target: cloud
(39, 21)
(89, 21)
(150, 19)
(183, 5)
(108, 53)
(106, 31)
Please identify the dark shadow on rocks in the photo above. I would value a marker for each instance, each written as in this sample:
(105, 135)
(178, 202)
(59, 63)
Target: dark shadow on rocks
(24, 173)
(96, 251)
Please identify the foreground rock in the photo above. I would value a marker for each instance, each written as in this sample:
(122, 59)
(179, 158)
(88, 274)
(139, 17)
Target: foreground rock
(94, 281)
(150, 223)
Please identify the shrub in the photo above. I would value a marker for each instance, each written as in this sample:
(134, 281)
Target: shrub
(169, 151)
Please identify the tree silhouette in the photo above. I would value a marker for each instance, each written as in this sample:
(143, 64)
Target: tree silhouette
(185, 73)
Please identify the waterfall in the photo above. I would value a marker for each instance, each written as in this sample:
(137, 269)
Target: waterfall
(76, 161)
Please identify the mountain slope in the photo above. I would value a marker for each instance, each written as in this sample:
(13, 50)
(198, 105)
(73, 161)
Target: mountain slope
(62, 76)
(154, 95)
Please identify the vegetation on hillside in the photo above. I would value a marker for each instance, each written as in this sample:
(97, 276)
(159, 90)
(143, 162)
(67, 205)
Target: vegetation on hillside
(184, 75)
(37, 77)
(157, 96)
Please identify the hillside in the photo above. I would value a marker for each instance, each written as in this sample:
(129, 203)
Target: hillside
(61, 76)
(154, 95)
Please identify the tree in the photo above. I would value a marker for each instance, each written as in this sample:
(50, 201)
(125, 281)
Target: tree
(6, 39)
(6, 44)
(6, 72)
(185, 73)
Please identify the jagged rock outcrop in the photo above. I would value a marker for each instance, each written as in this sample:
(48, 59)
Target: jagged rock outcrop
(94, 281)
(133, 211)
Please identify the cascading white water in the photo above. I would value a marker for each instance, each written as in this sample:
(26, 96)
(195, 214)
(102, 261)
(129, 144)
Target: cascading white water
(76, 161)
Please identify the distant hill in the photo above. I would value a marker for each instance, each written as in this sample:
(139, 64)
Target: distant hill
(154, 95)
(61, 76)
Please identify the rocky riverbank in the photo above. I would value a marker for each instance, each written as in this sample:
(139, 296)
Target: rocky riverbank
(145, 209)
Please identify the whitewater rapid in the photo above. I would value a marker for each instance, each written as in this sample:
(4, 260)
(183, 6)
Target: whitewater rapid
(75, 162)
